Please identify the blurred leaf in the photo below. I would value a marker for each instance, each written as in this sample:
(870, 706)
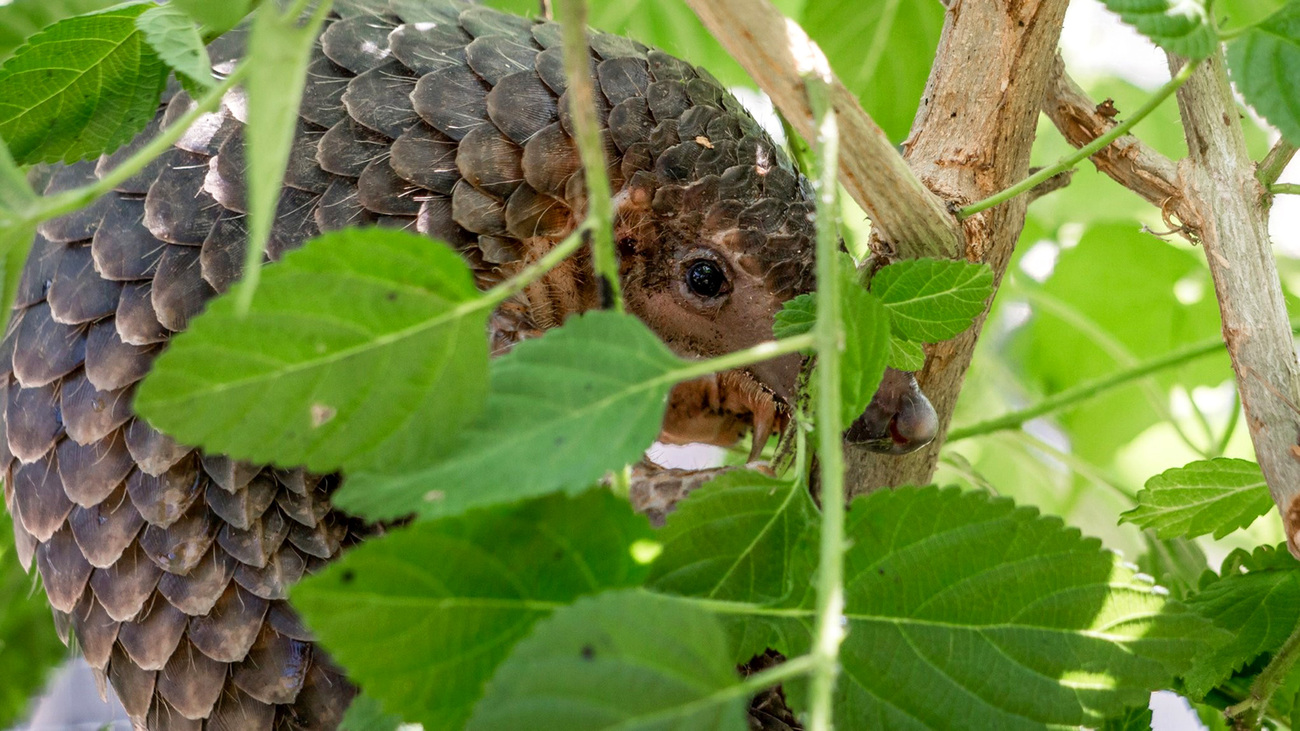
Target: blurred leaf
(82, 87)
(1257, 600)
(1263, 61)
(15, 244)
(447, 599)
(797, 316)
(626, 660)
(562, 410)
(366, 714)
(1235, 14)
(1176, 563)
(930, 300)
(882, 50)
(1136, 719)
(297, 380)
(217, 17)
(176, 40)
(905, 355)
(1180, 26)
(29, 647)
(866, 349)
(21, 19)
(1213, 496)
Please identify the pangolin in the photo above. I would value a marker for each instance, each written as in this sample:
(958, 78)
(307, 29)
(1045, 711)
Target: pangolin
(171, 566)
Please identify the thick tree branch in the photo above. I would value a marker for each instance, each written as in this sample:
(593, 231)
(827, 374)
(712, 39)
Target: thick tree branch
(913, 221)
(1221, 184)
(971, 138)
(1127, 160)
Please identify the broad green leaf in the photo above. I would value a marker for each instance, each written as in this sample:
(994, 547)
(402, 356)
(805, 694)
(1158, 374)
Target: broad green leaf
(29, 647)
(447, 599)
(1176, 563)
(562, 410)
(1135, 719)
(1211, 496)
(931, 300)
(217, 17)
(962, 606)
(366, 714)
(1257, 600)
(797, 317)
(882, 50)
(1180, 26)
(738, 538)
(363, 346)
(866, 349)
(15, 244)
(1236, 14)
(176, 40)
(84, 86)
(905, 355)
(1263, 61)
(279, 49)
(629, 660)
(21, 19)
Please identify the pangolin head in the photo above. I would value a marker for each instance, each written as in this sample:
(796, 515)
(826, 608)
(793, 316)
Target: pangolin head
(716, 231)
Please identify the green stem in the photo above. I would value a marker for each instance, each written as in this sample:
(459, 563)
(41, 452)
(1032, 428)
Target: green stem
(741, 358)
(582, 104)
(534, 271)
(829, 333)
(1271, 167)
(1249, 713)
(1287, 188)
(1088, 150)
(792, 668)
(1087, 390)
(72, 200)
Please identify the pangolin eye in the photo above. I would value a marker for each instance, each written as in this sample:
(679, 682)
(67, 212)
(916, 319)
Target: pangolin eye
(705, 278)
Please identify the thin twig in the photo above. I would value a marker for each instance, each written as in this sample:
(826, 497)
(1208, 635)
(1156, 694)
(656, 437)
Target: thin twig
(1287, 188)
(1088, 150)
(1249, 713)
(777, 53)
(1271, 167)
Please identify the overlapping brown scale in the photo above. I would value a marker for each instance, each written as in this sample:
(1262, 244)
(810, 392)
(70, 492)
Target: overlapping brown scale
(529, 213)
(197, 592)
(179, 291)
(111, 363)
(275, 669)
(480, 21)
(177, 209)
(136, 321)
(630, 122)
(44, 349)
(163, 716)
(425, 157)
(358, 44)
(453, 100)
(122, 248)
(322, 540)
(295, 222)
(520, 105)
(137, 184)
(550, 69)
(154, 452)
(96, 631)
(179, 547)
(323, 90)
(550, 159)
(166, 498)
(191, 682)
(39, 495)
(89, 414)
(106, 529)
(221, 259)
(229, 474)
(490, 162)
(241, 508)
(383, 191)
(348, 147)
(152, 639)
(324, 697)
(380, 98)
(623, 78)
(32, 420)
(124, 587)
(477, 211)
(609, 46)
(238, 711)
(428, 47)
(91, 472)
(228, 632)
(134, 686)
(257, 545)
(38, 274)
(495, 57)
(64, 571)
(273, 580)
(79, 225)
(435, 220)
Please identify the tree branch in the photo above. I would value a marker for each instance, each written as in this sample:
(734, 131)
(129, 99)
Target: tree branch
(1128, 161)
(1271, 167)
(776, 52)
(971, 138)
(1221, 184)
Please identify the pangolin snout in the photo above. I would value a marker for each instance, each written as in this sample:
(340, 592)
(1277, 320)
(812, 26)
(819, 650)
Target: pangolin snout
(899, 419)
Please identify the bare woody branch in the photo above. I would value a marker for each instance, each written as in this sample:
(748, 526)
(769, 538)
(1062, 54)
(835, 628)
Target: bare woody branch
(775, 50)
(1221, 184)
(1128, 161)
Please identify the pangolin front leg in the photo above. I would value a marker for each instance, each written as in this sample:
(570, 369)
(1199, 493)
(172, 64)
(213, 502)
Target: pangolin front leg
(171, 567)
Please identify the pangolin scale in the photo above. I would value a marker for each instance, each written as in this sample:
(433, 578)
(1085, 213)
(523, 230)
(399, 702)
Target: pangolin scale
(170, 566)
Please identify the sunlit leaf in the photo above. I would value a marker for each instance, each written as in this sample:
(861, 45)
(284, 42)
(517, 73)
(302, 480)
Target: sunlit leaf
(1212, 496)
(174, 37)
(1180, 26)
(930, 299)
(1263, 61)
(905, 355)
(796, 317)
(21, 19)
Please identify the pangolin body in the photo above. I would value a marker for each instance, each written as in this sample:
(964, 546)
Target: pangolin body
(171, 567)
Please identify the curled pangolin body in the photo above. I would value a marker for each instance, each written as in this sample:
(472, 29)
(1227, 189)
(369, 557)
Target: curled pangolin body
(170, 566)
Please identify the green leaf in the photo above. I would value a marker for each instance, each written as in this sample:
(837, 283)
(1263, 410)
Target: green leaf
(366, 714)
(1257, 600)
(1180, 26)
(217, 17)
(21, 19)
(1135, 719)
(279, 49)
(15, 244)
(1215, 496)
(80, 88)
(447, 599)
(931, 300)
(173, 36)
(1176, 563)
(15, 192)
(29, 647)
(905, 355)
(563, 409)
(626, 660)
(1263, 61)
(866, 349)
(882, 50)
(797, 317)
(738, 538)
(962, 606)
(362, 347)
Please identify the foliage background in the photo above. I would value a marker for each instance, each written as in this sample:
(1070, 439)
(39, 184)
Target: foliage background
(1089, 289)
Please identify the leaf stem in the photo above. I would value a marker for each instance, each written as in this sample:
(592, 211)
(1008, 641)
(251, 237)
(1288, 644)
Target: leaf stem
(741, 358)
(829, 334)
(1249, 713)
(792, 668)
(72, 200)
(582, 105)
(1287, 188)
(1271, 167)
(532, 272)
(1088, 150)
